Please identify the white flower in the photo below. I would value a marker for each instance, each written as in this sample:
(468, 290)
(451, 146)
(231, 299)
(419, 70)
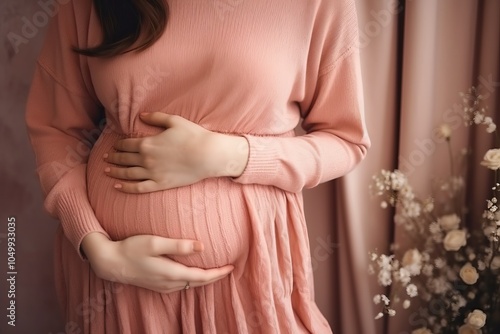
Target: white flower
(412, 261)
(406, 304)
(384, 278)
(469, 274)
(449, 222)
(411, 290)
(445, 131)
(421, 331)
(379, 315)
(413, 209)
(385, 300)
(476, 319)
(491, 128)
(384, 261)
(391, 312)
(491, 159)
(402, 275)
(481, 265)
(429, 206)
(427, 270)
(384, 205)
(454, 240)
(434, 228)
(478, 118)
(398, 180)
(468, 329)
(495, 263)
(440, 263)
(376, 299)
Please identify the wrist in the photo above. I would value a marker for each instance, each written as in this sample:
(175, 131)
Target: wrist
(97, 248)
(228, 155)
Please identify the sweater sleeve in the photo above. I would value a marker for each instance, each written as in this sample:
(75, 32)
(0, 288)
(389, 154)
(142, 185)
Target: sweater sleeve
(62, 116)
(332, 109)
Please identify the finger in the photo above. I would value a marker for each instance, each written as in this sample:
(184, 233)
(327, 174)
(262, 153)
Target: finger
(128, 144)
(142, 187)
(166, 246)
(160, 119)
(129, 173)
(123, 159)
(181, 285)
(180, 272)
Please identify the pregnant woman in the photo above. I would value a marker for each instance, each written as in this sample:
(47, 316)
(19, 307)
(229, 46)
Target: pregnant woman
(165, 145)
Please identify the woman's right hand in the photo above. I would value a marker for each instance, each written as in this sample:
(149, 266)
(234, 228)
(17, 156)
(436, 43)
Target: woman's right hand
(141, 261)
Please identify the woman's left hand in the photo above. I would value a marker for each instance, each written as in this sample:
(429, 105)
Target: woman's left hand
(183, 154)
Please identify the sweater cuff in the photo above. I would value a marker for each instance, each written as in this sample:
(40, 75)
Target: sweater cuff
(68, 201)
(262, 166)
(78, 220)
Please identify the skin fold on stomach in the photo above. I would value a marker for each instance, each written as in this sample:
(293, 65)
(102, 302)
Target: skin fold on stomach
(213, 211)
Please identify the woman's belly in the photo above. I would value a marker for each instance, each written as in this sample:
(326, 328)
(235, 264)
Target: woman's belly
(212, 211)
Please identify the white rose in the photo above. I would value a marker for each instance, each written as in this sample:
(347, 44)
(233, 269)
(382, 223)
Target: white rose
(476, 319)
(421, 331)
(454, 240)
(412, 261)
(468, 329)
(449, 222)
(495, 263)
(445, 131)
(469, 274)
(491, 159)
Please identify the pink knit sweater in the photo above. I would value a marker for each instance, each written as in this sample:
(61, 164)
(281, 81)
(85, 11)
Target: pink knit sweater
(252, 68)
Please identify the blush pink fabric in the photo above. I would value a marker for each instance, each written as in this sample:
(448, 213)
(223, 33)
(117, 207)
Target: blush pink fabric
(254, 69)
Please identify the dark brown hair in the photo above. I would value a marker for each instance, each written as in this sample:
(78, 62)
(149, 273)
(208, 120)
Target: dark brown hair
(125, 22)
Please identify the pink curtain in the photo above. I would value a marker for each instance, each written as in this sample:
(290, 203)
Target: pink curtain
(416, 56)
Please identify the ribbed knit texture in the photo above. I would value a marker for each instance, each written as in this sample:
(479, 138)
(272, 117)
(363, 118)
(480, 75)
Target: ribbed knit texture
(250, 68)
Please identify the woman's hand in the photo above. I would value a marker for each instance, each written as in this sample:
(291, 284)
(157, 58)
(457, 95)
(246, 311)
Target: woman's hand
(183, 154)
(141, 261)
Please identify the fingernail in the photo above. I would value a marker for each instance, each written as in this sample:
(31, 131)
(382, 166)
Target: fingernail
(118, 186)
(107, 170)
(197, 246)
(144, 113)
(105, 156)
